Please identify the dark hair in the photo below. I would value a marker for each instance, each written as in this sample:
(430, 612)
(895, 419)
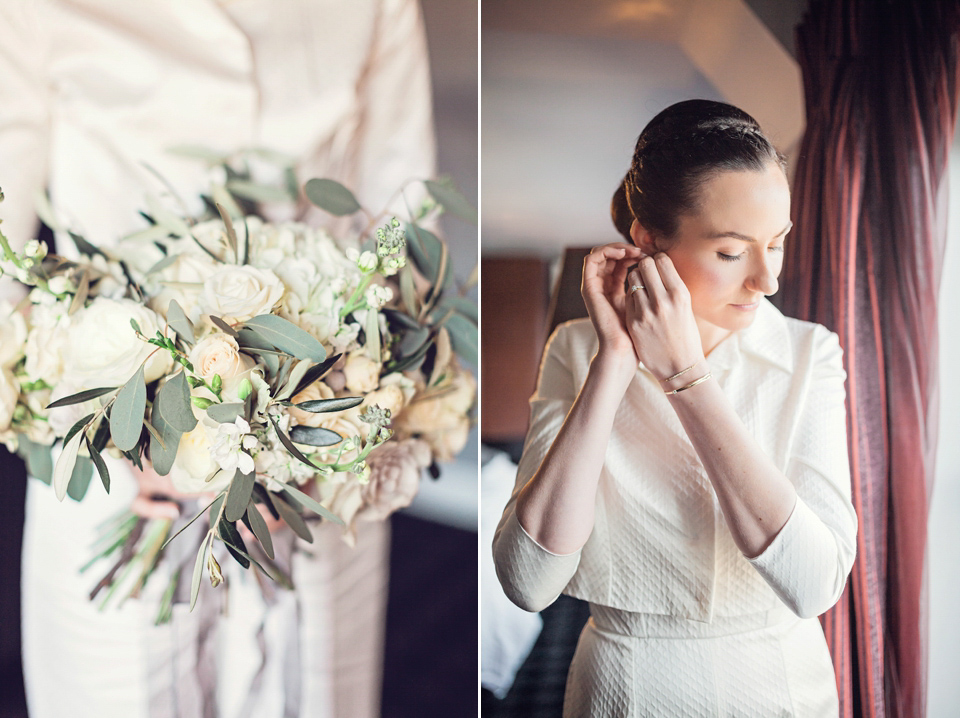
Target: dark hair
(680, 149)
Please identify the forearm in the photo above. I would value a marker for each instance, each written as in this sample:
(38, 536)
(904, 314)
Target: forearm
(755, 497)
(556, 507)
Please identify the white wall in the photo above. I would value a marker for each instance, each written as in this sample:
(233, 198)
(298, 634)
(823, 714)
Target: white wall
(943, 565)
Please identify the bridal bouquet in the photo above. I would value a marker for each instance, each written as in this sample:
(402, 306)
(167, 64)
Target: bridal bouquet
(271, 367)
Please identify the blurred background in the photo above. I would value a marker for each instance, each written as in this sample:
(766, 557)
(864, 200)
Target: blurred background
(431, 643)
(567, 87)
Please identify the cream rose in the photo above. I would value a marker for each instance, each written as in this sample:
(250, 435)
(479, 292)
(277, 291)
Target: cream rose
(316, 391)
(13, 333)
(219, 354)
(104, 350)
(394, 477)
(9, 392)
(46, 342)
(388, 397)
(442, 419)
(194, 463)
(239, 293)
(362, 374)
(341, 494)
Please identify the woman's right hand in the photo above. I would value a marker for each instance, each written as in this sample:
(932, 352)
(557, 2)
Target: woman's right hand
(604, 274)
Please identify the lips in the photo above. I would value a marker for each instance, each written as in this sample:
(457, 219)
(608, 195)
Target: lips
(746, 307)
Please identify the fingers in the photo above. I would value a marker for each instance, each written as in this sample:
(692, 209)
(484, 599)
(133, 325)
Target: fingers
(668, 274)
(149, 508)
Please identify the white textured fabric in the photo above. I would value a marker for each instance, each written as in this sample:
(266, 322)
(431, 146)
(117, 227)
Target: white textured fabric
(90, 90)
(660, 545)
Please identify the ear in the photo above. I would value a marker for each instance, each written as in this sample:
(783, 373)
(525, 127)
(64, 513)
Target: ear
(642, 239)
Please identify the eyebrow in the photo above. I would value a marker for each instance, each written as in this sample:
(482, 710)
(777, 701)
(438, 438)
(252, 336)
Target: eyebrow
(745, 238)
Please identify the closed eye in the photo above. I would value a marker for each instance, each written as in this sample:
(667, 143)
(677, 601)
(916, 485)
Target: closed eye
(729, 257)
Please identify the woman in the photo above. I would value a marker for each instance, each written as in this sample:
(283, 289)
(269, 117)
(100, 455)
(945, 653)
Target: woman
(685, 469)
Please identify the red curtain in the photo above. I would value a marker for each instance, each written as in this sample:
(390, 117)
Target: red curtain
(881, 81)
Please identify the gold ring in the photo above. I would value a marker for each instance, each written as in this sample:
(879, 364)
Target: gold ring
(636, 288)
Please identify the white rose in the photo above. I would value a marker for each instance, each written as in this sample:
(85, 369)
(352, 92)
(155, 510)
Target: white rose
(13, 334)
(362, 373)
(219, 354)
(394, 477)
(104, 349)
(239, 293)
(46, 342)
(442, 419)
(9, 392)
(195, 464)
(182, 281)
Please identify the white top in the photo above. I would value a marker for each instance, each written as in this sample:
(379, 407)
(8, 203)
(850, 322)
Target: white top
(91, 89)
(660, 544)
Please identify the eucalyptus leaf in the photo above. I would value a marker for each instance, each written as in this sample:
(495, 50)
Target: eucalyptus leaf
(148, 234)
(281, 159)
(231, 232)
(163, 451)
(287, 337)
(463, 337)
(408, 291)
(424, 249)
(163, 263)
(331, 196)
(175, 407)
(321, 406)
(289, 446)
(312, 504)
(224, 198)
(38, 458)
(223, 325)
(63, 470)
(316, 372)
(256, 192)
(100, 464)
(291, 516)
(84, 247)
(177, 319)
(126, 418)
(80, 478)
(314, 436)
(80, 424)
(80, 297)
(225, 413)
(238, 495)
(231, 539)
(292, 381)
(463, 306)
(81, 397)
(198, 572)
(255, 522)
(452, 201)
(155, 434)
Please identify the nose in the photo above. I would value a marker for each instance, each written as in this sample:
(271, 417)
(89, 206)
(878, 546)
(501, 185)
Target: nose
(763, 278)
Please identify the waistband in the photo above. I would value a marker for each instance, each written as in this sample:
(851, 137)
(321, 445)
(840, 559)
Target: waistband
(650, 625)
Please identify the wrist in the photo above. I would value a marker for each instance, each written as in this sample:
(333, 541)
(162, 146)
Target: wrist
(698, 374)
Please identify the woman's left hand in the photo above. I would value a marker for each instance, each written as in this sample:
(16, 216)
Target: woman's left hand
(660, 318)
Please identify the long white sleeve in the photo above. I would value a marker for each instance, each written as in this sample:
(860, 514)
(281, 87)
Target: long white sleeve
(24, 124)
(531, 576)
(808, 562)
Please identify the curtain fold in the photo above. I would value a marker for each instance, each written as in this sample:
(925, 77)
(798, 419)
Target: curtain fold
(881, 89)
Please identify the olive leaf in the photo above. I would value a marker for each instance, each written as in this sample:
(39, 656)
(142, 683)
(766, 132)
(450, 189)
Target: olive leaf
(177, 319)
(258, 526)
(238, 495)
(63, 470)
(287, 337)
(126, 418)
(331, 196)
(452, 201)
(312, 504)
(81, 397)
(321, 406)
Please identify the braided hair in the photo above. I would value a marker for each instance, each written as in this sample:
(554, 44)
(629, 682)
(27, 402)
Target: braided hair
(681, 148)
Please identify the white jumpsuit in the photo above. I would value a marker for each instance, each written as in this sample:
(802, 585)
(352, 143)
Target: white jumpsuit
(682, 624)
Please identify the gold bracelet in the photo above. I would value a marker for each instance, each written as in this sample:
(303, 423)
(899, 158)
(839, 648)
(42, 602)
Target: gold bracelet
(690, 385)
(680, 373)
